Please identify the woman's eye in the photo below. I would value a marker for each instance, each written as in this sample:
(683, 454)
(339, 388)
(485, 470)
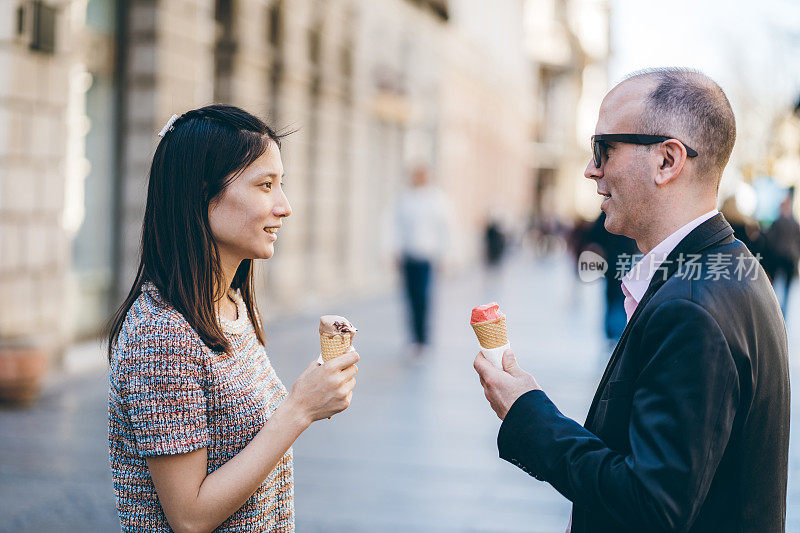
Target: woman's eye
(267, 186)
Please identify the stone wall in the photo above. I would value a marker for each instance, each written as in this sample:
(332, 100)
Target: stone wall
(39, 155)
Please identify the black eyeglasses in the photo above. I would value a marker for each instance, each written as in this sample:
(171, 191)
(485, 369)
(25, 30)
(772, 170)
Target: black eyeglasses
(629, 138)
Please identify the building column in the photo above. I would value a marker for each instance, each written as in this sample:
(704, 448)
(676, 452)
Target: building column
(330, 238)
(251, 61)
(284, 277)
(164, 37)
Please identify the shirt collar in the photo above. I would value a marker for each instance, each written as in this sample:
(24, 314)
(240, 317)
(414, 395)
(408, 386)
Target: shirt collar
(638, 278)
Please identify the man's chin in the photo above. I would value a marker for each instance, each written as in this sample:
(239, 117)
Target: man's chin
(610, 225)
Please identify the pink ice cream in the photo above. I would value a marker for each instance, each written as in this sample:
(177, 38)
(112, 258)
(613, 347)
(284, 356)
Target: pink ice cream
(486, 313)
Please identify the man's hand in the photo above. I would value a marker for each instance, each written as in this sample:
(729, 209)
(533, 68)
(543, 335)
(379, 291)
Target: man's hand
(503, 387)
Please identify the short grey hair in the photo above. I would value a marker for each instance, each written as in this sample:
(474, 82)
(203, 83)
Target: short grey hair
(690, 106)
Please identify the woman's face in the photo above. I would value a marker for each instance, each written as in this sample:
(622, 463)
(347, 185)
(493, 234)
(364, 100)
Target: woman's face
(246, 216)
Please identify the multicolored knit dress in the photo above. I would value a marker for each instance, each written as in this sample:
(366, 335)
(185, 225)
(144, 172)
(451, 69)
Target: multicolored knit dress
(169, 393)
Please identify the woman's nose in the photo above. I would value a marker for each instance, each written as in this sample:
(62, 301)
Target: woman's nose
(283, 208)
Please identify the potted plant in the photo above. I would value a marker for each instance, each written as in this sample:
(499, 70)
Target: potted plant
(23, 365)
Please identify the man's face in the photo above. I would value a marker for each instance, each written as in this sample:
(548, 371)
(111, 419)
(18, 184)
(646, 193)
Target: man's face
(625, 176)
(420, 178)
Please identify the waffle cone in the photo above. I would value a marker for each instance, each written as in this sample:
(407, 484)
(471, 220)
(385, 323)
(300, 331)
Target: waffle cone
(491, 334)
(333, 346)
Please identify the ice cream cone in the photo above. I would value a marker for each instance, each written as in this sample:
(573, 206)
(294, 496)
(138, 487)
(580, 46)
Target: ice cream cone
(490, 327)
(492, 333)
(335, 337)
(332, 346)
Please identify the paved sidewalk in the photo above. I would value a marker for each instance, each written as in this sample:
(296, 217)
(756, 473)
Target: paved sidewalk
(416, 451)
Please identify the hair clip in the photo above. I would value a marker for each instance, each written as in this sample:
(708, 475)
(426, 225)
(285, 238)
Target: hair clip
(168, 126)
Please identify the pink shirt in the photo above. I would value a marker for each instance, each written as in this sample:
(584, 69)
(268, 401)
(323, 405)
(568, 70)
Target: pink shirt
(636, 281)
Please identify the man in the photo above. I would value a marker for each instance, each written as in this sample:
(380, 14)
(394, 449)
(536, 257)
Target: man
(689, 428)
(618, 252)
(420, 239)
(783, 248)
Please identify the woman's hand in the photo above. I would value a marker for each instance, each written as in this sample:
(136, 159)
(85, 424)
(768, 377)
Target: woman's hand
(196, 501)
(321, 391)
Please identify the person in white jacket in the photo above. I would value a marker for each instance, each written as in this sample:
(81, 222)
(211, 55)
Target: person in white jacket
(421, 235)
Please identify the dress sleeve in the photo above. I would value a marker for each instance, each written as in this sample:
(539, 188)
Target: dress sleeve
(162, 382)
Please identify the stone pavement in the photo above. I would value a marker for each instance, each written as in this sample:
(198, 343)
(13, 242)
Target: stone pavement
(416, 451)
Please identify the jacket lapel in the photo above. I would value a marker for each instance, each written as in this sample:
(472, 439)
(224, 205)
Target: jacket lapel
(706, 234)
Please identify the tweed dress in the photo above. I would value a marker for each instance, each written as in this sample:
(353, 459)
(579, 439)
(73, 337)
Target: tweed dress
(169, 393)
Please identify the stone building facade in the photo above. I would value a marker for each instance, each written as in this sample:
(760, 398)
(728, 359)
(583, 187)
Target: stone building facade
(40, 126)
(370, 88)
(569, 44)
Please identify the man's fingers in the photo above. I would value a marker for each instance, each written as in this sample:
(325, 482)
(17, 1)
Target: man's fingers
(510, 362)
(481, 364)
(486, 370)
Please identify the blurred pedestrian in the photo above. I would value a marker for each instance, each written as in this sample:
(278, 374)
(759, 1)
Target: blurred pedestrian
(745, 228)
(782, 249)
(547, 232)
(200, 426)
(689, 427)
(619, 252)
(577, 239)
(494, 243)
(576, 242)
(421, 219)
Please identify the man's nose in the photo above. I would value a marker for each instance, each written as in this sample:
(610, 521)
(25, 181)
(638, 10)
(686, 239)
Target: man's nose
(592, 172)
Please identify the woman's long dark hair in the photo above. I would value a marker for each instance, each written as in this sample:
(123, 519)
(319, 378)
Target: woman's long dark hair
(193, 164)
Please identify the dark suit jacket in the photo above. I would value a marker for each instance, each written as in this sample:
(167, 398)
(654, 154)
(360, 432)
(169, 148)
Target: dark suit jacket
(689, 428)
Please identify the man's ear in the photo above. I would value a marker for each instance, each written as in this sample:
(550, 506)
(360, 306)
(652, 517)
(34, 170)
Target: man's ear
(671, 156)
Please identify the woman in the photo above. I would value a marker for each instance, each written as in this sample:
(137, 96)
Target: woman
(200, 426)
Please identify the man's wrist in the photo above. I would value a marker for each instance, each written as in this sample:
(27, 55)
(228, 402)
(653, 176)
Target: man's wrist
(523, 393)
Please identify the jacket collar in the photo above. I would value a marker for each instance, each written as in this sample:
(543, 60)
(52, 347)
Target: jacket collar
(706, 234)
